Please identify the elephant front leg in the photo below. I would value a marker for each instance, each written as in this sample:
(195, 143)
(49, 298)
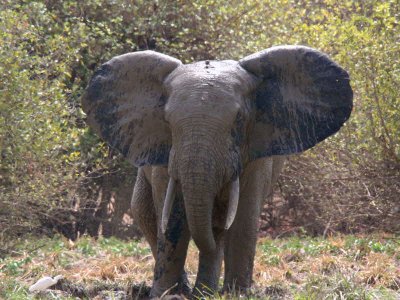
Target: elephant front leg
(143, 210)
(241, 239)
(171, 254)
(209, 270)
(240, 250)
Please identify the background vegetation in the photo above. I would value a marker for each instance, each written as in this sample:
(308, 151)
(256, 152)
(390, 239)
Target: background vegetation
(56, 174)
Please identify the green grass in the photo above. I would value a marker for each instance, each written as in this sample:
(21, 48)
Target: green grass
(123, 248)
(339, 267)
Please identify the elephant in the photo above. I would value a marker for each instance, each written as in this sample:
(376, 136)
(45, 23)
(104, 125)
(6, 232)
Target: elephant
(209, 139)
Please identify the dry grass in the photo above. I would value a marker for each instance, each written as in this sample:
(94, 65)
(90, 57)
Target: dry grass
(361, 267)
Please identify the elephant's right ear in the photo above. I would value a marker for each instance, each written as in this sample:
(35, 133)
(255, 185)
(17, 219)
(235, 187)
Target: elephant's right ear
(124, 103)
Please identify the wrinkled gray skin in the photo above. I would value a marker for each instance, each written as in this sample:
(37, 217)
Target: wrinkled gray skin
(207, 127)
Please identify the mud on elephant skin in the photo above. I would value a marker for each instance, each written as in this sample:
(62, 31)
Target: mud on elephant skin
(209, 140)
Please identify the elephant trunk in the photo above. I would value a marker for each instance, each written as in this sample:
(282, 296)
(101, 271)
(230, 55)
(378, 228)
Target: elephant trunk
(198, 183)
(203, 164)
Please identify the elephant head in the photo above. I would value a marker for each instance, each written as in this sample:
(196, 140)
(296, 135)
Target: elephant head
(206, 120)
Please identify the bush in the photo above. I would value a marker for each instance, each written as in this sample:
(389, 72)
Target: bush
(50, 161)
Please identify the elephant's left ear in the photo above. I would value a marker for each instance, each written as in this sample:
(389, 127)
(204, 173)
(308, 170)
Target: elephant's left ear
(303, 97)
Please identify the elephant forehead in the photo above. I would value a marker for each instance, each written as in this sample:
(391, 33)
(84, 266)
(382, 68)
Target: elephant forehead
(227, 73)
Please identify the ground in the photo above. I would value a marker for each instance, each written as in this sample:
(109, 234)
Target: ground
(336, 267)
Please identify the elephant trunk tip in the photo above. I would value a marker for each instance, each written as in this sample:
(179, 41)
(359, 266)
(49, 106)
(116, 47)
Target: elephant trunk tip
(205, 244)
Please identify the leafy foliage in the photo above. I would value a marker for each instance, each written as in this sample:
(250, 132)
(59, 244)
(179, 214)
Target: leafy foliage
(48, 50)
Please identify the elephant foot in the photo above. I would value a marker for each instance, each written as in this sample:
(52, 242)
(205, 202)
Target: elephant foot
(235, 289)
(203, 291)
(182, 287)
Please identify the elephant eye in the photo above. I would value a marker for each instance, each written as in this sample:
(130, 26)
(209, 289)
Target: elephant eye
(237, 131)
(239, 118)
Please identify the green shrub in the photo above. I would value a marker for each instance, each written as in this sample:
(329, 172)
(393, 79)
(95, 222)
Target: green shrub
(53, 168)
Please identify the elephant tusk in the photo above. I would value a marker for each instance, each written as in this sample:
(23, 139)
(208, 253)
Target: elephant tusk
(234, 190)
(169, 200)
